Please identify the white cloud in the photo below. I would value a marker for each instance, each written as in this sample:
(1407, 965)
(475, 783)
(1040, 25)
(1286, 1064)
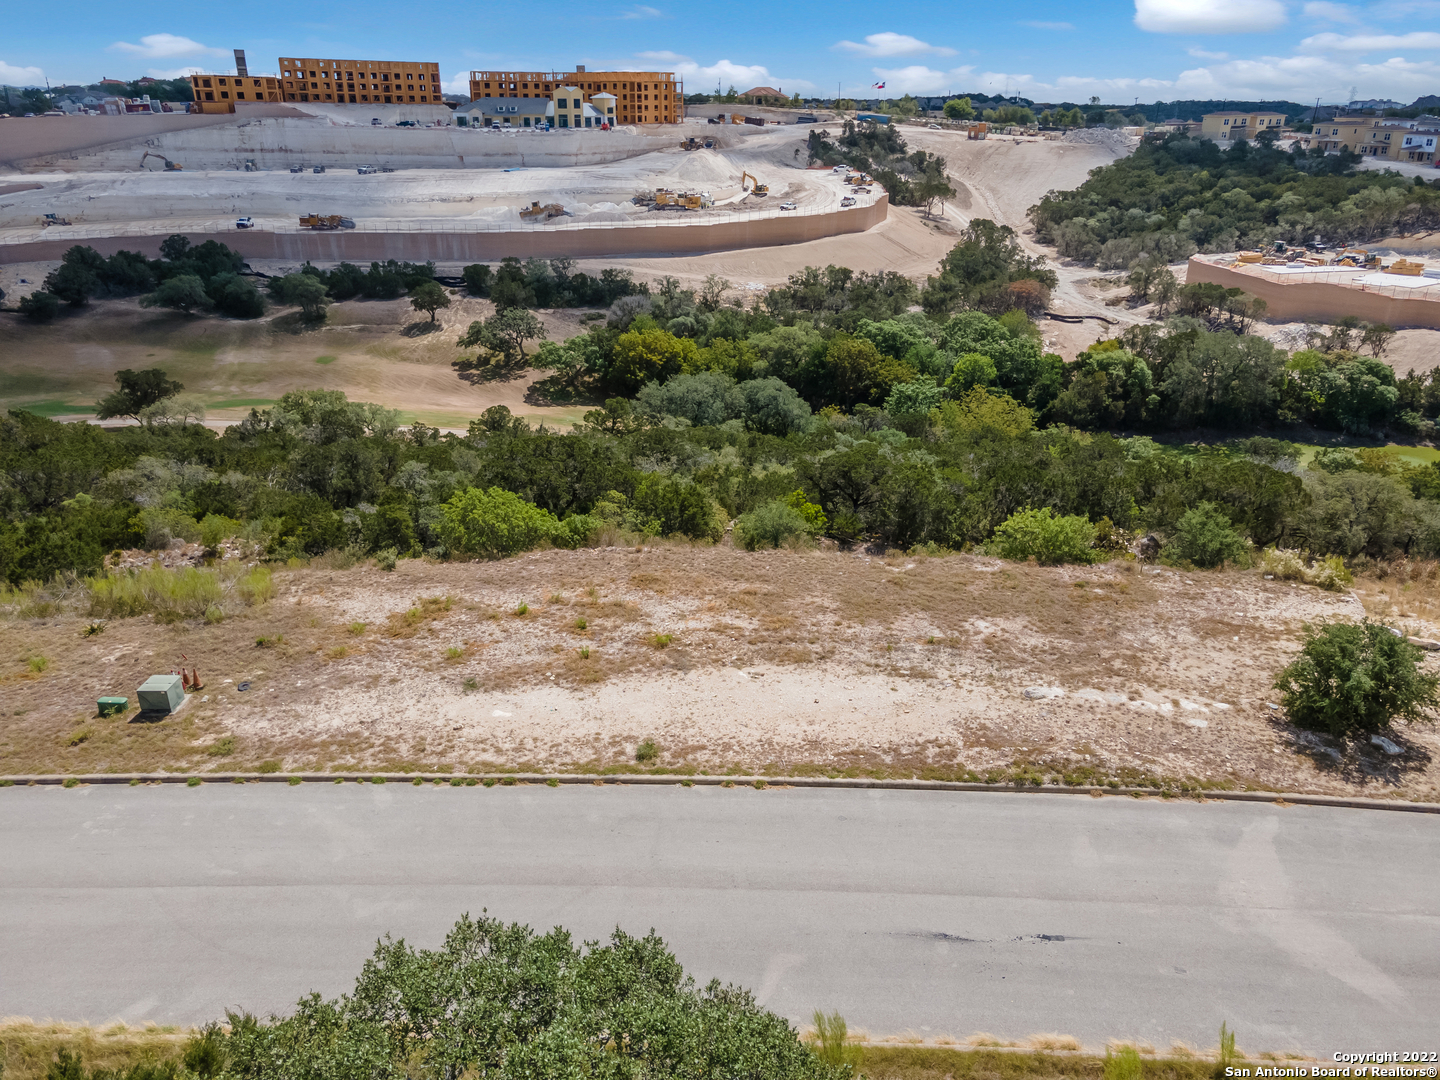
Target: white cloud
(1324, 9)
(640, 11)
(918, 79)
(1208, 16)
(700, 78)
(1201, 54)
(163, 46)
(460, 84)
(173, 73)
(1037, 25)
(890, 44)
(1427, 39)
(20, 76)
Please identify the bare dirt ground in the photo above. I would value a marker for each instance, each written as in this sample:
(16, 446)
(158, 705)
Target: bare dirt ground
(783, 662)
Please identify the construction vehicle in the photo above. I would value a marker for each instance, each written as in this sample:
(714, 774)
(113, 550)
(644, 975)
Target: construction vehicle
(170, 166)
(758, 188)
(325, 221)
(683, 200)
(249, 166)
(691, 143)
(53, 219)
(536, 212)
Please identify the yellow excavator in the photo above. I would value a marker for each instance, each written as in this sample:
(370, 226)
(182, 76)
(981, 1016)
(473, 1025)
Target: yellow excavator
(170, 166)
(757, 187)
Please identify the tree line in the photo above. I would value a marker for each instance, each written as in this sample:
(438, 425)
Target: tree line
(1169, 200)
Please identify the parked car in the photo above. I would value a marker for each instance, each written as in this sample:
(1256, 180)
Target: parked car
(245, 223)
(318, 169)
(848, 200)
(787, 206)
(375, 122)
(297, 168)
(934, 127)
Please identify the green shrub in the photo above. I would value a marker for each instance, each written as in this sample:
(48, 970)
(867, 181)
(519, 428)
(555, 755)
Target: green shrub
(1205, 538)
(1354, 679)
(647, 752)
(1123, 1064)
(1044, 536)
(184, 593)
(271, 766)
(494, 523)
(1327, 573)
(769, 526)
(832, 1043)
(40, 305)
(222, 747)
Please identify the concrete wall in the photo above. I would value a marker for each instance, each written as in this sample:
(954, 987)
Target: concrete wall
(23, 138)
(1318, 302)
(277, 142)
(581, 243)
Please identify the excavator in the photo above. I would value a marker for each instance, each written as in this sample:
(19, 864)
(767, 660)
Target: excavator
(757, 188)
(170, 166)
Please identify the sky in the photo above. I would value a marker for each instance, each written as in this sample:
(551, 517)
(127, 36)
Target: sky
(1120, 50)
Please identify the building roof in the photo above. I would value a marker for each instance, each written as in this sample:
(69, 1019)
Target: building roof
(506, 106)
(762, 91)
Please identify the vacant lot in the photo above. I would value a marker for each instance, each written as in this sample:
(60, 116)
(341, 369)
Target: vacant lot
(786, 662)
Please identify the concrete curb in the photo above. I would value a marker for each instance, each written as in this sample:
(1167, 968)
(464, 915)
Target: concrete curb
(671, 779)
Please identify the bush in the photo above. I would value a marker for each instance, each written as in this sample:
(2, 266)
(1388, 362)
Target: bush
(1046, 537)
(769, 526)
(1354, 679)
(494, 523)
(40, 306)
(1204, 537)
(1327, 573)
(1123, 1064)
(186, 593)
(184, 292)
(503, 1001)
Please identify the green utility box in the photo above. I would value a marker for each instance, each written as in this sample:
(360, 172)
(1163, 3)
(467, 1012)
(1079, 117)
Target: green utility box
(161, 694)
(108, 705)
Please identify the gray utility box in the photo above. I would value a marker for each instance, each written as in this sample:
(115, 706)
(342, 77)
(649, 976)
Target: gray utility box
(161, 693)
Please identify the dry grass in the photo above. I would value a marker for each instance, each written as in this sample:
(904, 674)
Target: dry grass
(1403, 591)
(27, 1048)
(1052, 1041)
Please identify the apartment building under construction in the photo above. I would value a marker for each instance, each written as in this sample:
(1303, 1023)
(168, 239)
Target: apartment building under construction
(360, 82)
(641, 97)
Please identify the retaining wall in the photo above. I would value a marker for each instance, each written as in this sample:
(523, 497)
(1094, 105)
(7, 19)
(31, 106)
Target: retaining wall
(362, 247)
(1320, 302)
(48, 137)
(278, 142)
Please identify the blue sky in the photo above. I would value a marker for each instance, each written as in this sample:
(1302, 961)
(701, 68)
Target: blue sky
(1119, 49)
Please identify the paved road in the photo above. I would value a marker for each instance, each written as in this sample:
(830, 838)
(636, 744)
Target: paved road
(1307, 929)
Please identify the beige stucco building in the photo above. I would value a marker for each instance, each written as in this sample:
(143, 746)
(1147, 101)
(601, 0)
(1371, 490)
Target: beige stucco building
(641, 97)
(1223, 127)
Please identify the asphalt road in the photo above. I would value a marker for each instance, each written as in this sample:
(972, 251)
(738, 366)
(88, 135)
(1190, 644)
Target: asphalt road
(1307, 929)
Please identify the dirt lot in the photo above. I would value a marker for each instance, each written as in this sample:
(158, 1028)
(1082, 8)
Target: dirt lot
(786, 663)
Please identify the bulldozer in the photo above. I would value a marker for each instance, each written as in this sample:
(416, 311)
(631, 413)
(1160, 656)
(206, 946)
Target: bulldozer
(536, 212)
(325, 221)
(757, 188)
(691, 143)
(53, 219)
(170, 166)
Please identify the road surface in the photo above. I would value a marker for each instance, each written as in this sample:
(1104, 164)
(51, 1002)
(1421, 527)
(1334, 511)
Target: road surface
(1307, 929)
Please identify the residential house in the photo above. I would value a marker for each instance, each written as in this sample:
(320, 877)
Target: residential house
(1229, 127)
